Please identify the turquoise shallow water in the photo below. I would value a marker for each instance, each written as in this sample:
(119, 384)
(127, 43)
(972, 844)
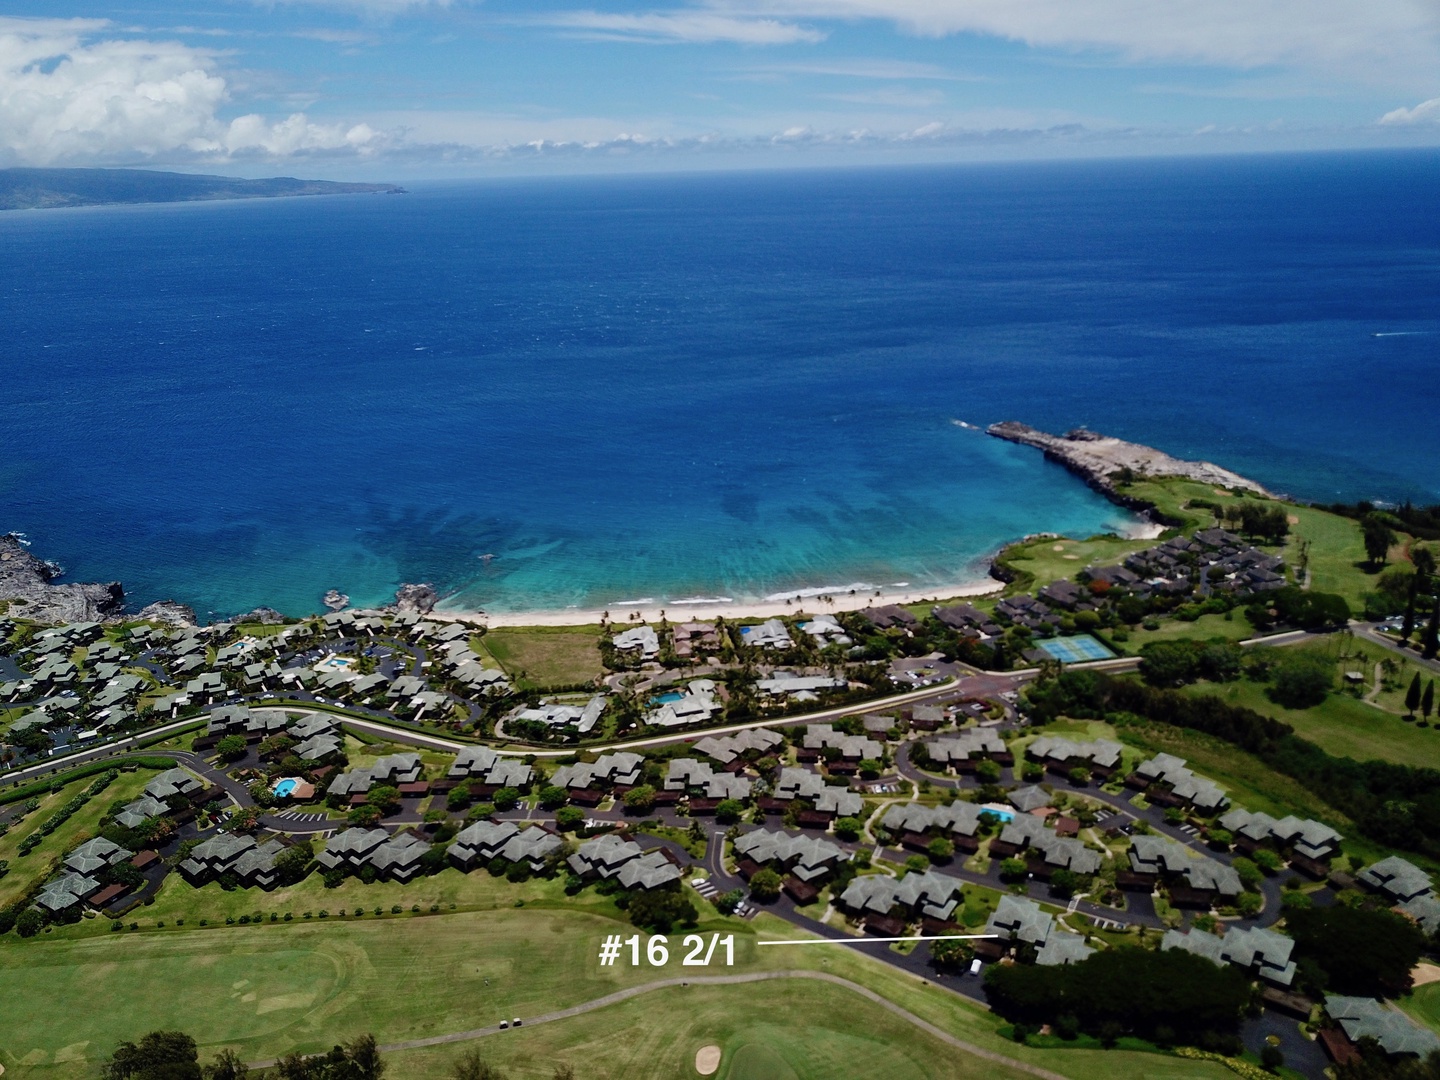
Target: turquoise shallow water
(582, 392)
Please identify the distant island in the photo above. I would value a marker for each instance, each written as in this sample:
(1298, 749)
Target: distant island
(35, 189)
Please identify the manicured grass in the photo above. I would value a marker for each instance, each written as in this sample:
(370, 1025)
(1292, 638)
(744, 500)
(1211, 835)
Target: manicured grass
(1172, 496)
(543, 656)
(1041, 561)
(306, 984)
(1341, 725)
(1205, 628)
(1337, 554)
(26, 870)
(1423, 1005)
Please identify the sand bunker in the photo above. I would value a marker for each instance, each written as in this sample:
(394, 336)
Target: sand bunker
(1425, 973)
(707, 1058)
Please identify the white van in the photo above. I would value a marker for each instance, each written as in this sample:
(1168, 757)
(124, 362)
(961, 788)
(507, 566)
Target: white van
(975, 967)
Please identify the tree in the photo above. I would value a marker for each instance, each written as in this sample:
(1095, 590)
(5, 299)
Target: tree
(384, 798)
(292, 863)
(870, 768)
(507, 798)
(951, 952)
(726, 903)
(1063, 884)
(1079, 776)
(1168, 663)
(1301, 681)
(1430, 640)
(1379, 538)
(552, 797)
(1356, 950)
(765, 885)
(159, 1055)
(848, 828)
(1247, 871)
(1272, 1057)
(459, 797)
(988, 772)
(728, 811)
(1407, 627)
(640, 800)
(1412, 696)
(1013, 870)
(231, 748)
(29, 923)
(473, 1066)
(227, 1065)
(940, 850)
(1427, 701)
(660, 909)
(569, 818)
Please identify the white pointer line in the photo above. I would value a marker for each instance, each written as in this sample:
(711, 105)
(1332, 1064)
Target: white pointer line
(868, 940)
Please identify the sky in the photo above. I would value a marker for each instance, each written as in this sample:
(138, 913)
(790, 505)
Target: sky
(453, 88)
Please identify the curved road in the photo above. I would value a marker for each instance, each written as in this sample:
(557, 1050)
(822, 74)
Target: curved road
(726, 980)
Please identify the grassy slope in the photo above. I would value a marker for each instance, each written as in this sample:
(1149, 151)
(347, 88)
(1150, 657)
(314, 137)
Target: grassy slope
(1343, 726)
(1337, 553)
(1423, 1006)
(1041, 561)
(304, 984)
(546, 656)
(26, 870)
(1204, 628)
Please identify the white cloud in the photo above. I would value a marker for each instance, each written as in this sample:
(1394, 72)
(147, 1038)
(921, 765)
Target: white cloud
(1427, 112)
(67, 96)
(1389, 42)
(681, 27)
(862, 68)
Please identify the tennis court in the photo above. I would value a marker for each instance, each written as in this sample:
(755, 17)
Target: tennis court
(1072, 650)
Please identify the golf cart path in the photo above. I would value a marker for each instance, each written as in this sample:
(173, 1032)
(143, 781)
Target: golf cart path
(725, 980)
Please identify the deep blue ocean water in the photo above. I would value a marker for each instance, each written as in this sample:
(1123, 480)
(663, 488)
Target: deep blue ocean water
(721, 385)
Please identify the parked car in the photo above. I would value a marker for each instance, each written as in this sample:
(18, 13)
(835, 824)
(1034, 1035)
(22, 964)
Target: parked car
(975, 966)
(515, 1022)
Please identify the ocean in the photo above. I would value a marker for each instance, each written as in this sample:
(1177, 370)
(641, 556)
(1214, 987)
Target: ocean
(555, 392)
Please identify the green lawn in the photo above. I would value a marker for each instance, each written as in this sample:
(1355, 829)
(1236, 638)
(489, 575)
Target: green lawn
(25, 870)
(1172, 496)
(1039, 562)
(1423, 1005)
(546, 656)
(1341, 725)
(1205, 628)
(1337, 553)
(268, 989)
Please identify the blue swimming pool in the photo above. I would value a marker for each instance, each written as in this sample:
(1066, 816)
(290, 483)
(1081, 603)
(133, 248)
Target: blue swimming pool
(1003, 815)
(667, 698)
(283, 788)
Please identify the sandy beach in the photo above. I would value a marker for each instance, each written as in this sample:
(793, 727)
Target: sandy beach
(809, 601)
(705, 610)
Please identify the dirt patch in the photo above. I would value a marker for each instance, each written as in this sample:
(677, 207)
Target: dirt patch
(1425, 973)
(1058, 547)
(707, 1058)
(1293, 519)
(1075, 557)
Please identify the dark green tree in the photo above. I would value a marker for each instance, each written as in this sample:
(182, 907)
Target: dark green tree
(1412, 695)
(159, 1055)
(1430, 642)
(227, 1065)
(1357, 950)
(1379, 538)
(473, 1066)
(765, 885)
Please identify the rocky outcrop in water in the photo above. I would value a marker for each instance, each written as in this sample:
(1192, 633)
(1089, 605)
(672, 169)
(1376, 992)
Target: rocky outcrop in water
(170, 612)
(335, 600)
(420, 599)
(265, 615)
(29, 585)
(1102, 461)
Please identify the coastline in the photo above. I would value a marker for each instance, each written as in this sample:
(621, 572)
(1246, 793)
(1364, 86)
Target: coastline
(808, 601)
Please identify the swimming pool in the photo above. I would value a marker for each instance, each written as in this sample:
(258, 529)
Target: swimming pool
(283, 788)
(1001, 812)
(1072, 650)
(667, 698)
